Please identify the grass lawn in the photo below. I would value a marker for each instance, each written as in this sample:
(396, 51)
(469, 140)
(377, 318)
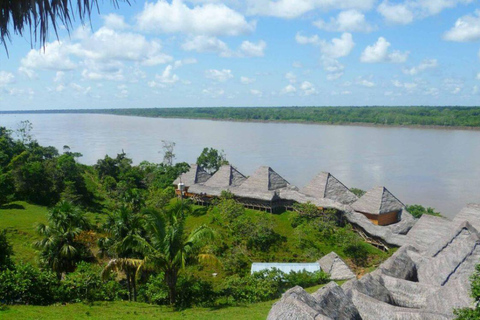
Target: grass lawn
(137, 310)
(20, 219)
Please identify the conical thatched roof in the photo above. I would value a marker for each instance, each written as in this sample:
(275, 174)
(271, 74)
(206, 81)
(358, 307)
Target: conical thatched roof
(265, 179)
(377, 201)
(325, 185)
(226, 176)
(263, 184)
(196, 174)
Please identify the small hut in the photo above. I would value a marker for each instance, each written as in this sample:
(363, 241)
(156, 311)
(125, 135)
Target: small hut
(261, 190)
(325, 185)
(196, 174)
(380, 206)
(225, 178)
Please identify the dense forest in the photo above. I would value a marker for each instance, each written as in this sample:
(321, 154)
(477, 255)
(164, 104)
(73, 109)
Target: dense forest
(399, 116)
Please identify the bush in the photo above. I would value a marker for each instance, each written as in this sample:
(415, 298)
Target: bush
(6, 251)
(28, 285)
(417, 211)
(268, 284)
(467, 313)
(359, 254)
(85, 284)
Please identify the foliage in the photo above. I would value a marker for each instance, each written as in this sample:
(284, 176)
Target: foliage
(6, 251)
(168, 155)
(211, 160)
(358, 192)
(474, 313)
(358, 252)
(447, 116)
(60, 247)
(417, 211)
(161, 176)
(25, 284)
(268, 284)
(85, 284)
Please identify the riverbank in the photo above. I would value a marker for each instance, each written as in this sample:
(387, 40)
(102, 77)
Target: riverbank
(439, 118)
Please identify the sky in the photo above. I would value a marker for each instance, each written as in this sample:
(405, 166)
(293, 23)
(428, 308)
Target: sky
(200, 53)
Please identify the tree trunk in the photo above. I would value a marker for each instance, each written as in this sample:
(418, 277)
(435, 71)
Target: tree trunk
(171, 279)
(134, 284)
(129, 287)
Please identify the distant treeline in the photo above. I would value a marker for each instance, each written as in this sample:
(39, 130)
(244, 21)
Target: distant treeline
(402, 116)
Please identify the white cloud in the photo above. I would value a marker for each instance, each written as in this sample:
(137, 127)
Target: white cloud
(315, 40)
(308, 88)
(80, 89)
(337, 47)
(212, 19)
(115, 22)
(180, 63)
(349, 20)
(467, 28)
(405, 85)
(256, 93)
(59, 76)
(167, 76)
(246, 80)
(378, 52)
(478, 76)
(53, 56)
(291, 77)
(6, 78)
(250, 49)
(408, 11)
(395, 13)
(294, 8)
(213, 93)
(365, 83)
(102, 49)
(219, 75)
(424, 65)
(289, 89)
(103, 70)
(206, 44)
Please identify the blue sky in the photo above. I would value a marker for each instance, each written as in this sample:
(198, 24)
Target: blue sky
(252, 53)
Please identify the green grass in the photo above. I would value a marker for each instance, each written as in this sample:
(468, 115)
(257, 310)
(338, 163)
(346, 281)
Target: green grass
(137, 310)
(20, 219)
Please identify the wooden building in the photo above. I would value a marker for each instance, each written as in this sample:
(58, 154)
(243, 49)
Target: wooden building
(380, 206)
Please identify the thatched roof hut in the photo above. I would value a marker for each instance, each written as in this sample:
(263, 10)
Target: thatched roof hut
(263, 184)
(225, 178)
(196, 174)
(380, 206)
(325, 185)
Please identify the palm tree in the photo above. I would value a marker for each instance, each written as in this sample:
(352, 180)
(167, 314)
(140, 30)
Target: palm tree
(60, 247)
(123, 227)
(167, 247)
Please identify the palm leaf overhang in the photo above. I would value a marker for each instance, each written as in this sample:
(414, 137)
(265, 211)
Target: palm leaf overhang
(38, 16)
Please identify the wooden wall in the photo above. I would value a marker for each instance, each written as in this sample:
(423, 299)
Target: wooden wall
(382, 219)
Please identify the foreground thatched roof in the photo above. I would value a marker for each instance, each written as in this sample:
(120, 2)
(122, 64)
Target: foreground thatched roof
(470, 213)
(378, 201)
(196, 174)
(325, 185)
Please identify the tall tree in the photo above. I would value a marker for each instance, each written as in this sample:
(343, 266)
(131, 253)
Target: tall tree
(211, 160)
(60, 247)
(167, 247)
(6, 252)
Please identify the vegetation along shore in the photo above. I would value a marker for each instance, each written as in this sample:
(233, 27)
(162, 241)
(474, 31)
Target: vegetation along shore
(414, 116)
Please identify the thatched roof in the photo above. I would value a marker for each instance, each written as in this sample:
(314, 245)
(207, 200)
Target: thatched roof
(196, 174)
(378, 201)
(325, 185)
(263, 184)
(226, 176)
(427, 231)
(470, 213)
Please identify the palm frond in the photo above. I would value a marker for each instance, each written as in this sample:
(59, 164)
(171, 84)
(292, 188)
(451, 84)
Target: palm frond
(121, 264)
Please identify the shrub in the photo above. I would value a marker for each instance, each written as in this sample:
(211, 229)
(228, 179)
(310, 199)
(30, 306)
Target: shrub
(417, 211)
(268, 284)
(359, 254)
(6, 251)
(85, 284)
(28, 285)
(468, 313)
